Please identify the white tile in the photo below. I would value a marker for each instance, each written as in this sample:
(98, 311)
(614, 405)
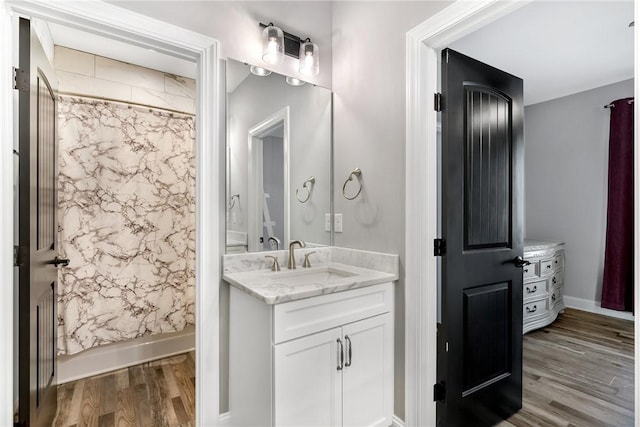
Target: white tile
(74, 61)
(163, 100)
(178, 85)
(84, 85)
(133, 75)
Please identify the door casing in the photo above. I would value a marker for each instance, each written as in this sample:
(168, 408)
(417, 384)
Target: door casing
(117, 23)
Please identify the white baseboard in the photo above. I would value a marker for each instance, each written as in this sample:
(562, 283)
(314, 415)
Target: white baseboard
(115, 356)
(594, 307)
(397, 422)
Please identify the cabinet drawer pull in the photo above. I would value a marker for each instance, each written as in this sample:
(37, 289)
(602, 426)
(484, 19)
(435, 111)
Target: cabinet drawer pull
(348, 341)
(554, 280)
(532, 310)
(530, 291)
(340, 355)
(548, 266)
(553, 297)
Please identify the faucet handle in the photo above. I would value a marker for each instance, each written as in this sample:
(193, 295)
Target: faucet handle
(275, 266)
(306, 263)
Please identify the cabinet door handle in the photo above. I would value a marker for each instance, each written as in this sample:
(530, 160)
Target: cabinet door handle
(348, 340)
(340, 355)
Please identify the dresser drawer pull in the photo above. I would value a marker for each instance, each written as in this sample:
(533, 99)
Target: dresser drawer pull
(530, 291)
(553, 297)
(554, 280)
(532, 310)
(549, 266)
(526, 270)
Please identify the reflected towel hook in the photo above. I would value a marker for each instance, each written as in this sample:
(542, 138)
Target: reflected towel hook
(308, 185)
(357, 173)
(232, 201)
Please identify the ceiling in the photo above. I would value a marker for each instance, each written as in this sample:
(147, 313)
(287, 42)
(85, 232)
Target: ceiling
(558, 48)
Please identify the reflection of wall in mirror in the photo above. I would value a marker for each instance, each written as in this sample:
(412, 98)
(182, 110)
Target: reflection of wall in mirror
(257, 98)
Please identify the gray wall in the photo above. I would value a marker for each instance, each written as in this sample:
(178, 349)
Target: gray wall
(566, 155)
(369, 133)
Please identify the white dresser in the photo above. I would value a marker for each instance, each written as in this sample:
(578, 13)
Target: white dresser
(543, 282)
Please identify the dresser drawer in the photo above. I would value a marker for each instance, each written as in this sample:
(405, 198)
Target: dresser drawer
(556, 296)
(558, 262)
(556, 279)
(535, 308)
(546, 267)
(534, 289)
(307, 316)
(530, 270)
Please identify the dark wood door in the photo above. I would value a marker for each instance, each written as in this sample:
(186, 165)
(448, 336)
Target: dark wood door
(480, 335)
(37, 232)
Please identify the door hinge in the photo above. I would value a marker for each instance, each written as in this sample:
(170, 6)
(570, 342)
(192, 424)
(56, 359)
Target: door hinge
(20, 79)
(439, 247)
(439, 392)
(437, 101)
(18, 256)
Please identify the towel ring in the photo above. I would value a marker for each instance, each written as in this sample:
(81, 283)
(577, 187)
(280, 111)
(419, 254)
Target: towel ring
(357, 173)
(232, 201)
(308, 185)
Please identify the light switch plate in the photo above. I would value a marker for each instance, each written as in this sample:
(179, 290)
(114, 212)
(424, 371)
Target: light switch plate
(327, 222)
(337, 223)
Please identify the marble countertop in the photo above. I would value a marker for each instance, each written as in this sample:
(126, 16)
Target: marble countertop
(289, 285)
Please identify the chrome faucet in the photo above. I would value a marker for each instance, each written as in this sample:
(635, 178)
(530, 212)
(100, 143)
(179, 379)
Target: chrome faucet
(291, 264)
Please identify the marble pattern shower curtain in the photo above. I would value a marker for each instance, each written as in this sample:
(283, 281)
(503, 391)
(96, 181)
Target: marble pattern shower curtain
(126, 220)
(617, 283)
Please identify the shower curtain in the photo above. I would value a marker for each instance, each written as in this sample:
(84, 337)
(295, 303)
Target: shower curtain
(126, 197)
(617, 284)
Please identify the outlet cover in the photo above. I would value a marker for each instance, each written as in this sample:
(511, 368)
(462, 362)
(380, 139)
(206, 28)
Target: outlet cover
(327, 222)
(338, 223)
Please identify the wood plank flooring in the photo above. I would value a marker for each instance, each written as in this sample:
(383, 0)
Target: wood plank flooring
(578, 372)
(154, 394)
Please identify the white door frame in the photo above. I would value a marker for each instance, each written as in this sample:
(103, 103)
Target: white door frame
(255, 190)
(120, 24)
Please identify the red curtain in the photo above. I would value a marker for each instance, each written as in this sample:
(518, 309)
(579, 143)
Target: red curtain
(617, 284)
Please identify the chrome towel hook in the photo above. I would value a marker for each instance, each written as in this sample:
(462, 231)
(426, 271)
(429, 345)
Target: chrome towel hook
(232, 201)
(357, 173)
(308, 185)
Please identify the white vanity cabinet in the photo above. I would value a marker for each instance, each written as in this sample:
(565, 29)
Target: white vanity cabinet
(543, 282)
(320, 361)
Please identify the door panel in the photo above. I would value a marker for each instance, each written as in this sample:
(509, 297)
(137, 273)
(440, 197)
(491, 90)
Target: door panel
(308, 383)
(480, 335)
(368, 374)
(37, 277)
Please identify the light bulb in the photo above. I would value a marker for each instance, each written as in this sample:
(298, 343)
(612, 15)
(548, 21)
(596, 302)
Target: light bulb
(308, 65)
(272, 45)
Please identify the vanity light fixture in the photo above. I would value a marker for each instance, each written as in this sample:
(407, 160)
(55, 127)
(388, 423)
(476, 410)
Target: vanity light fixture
(304, 50)
(294, 81)
(259, 71)
(308, 58)
(272, 44)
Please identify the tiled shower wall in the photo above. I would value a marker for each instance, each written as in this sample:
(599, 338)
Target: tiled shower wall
(126, 202)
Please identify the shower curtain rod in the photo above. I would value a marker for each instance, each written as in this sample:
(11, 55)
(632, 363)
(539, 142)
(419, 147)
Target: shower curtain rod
(127, 103)
(611, 105)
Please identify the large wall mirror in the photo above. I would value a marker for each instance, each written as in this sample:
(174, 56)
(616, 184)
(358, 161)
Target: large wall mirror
(278, 161)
